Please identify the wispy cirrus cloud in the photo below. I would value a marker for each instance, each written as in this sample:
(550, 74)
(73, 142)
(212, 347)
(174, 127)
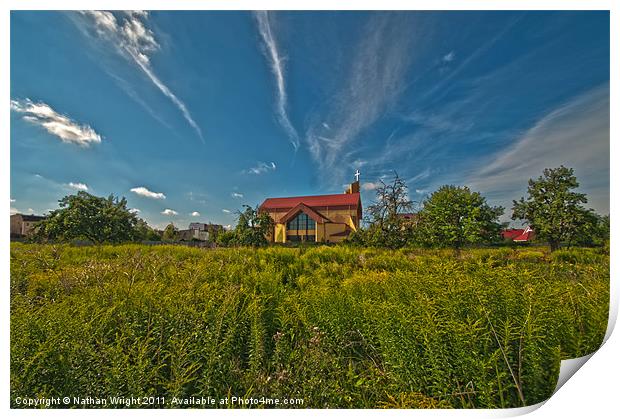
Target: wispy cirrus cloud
(448, 57)
(374, 81)
(142, 191)
(195, 214)
(169, 211)
(130, 36)
(576, 135)
(226, 211)
(479, 52)
(276, 63)
(61, 126)
(260, 168)
(236, 195)
(78, 186)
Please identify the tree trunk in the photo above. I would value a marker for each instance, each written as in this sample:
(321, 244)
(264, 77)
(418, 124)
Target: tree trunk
(554, 245)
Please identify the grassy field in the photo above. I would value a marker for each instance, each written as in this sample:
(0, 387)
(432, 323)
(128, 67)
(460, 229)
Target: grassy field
(334, 326)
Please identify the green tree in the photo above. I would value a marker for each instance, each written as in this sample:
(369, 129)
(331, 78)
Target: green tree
(144, 232)
(226, 238)
(593, 232)
(454, 216)
(386, 225)
(87, 217)
(552, 209)
(170, 233)
(252, 227)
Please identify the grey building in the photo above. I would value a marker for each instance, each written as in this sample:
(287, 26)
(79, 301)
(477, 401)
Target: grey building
(22, 224)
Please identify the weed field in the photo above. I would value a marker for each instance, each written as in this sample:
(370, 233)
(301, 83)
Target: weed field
(332, 326)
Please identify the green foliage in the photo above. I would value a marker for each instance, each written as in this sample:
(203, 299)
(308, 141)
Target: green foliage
(454, 216)
(170, 233)
(144, 232)
(252, 229)
(226, 239)
(337, 326)
(386, 226)
(594, 231)
(87, 217)
(554, 211)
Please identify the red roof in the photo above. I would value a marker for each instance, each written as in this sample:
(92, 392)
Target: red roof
(518, 234)
(528, 234)
(352, 199)
(512, 233)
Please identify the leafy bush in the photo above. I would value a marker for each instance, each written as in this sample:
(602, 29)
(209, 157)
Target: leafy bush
(336, 326)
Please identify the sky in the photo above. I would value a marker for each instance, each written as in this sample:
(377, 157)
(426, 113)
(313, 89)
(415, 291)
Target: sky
(192, 114)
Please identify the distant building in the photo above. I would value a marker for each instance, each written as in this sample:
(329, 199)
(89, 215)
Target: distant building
(200, 231)
(519, 235)
(211, 228)
(319, 218)
(22, 225)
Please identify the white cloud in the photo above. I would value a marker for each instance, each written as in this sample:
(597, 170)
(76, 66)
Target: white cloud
(195, 214)
(130, 36)
(261, 167)
(14, 210)
(425, 174)
(228, 227)
(226, 211)
(12, 200)
(448, 57)
(61, 126)
(168, 211)
(372, 84)
(78, 186)
(370, 186)
(132, 13)
(135, 210)
(30, 211)
(575, 135)
(142, 191)
(236, 195)
(276, 62)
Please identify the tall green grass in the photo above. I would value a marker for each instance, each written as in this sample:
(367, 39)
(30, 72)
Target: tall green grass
(338, 327)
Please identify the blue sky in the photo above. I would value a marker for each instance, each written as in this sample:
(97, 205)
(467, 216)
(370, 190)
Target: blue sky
(192, 114)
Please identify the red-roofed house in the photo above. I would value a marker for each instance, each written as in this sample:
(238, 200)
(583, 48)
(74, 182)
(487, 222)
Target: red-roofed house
(320, 218)
(518, 235)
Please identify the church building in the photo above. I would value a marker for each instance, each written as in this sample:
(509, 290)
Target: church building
(320, 218)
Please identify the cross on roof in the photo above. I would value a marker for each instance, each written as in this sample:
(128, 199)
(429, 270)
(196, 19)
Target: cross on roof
(357, 175)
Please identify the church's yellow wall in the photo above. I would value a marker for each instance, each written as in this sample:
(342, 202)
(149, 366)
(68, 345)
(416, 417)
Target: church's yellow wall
(320, 232)
(280, 233)
(331, 229)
